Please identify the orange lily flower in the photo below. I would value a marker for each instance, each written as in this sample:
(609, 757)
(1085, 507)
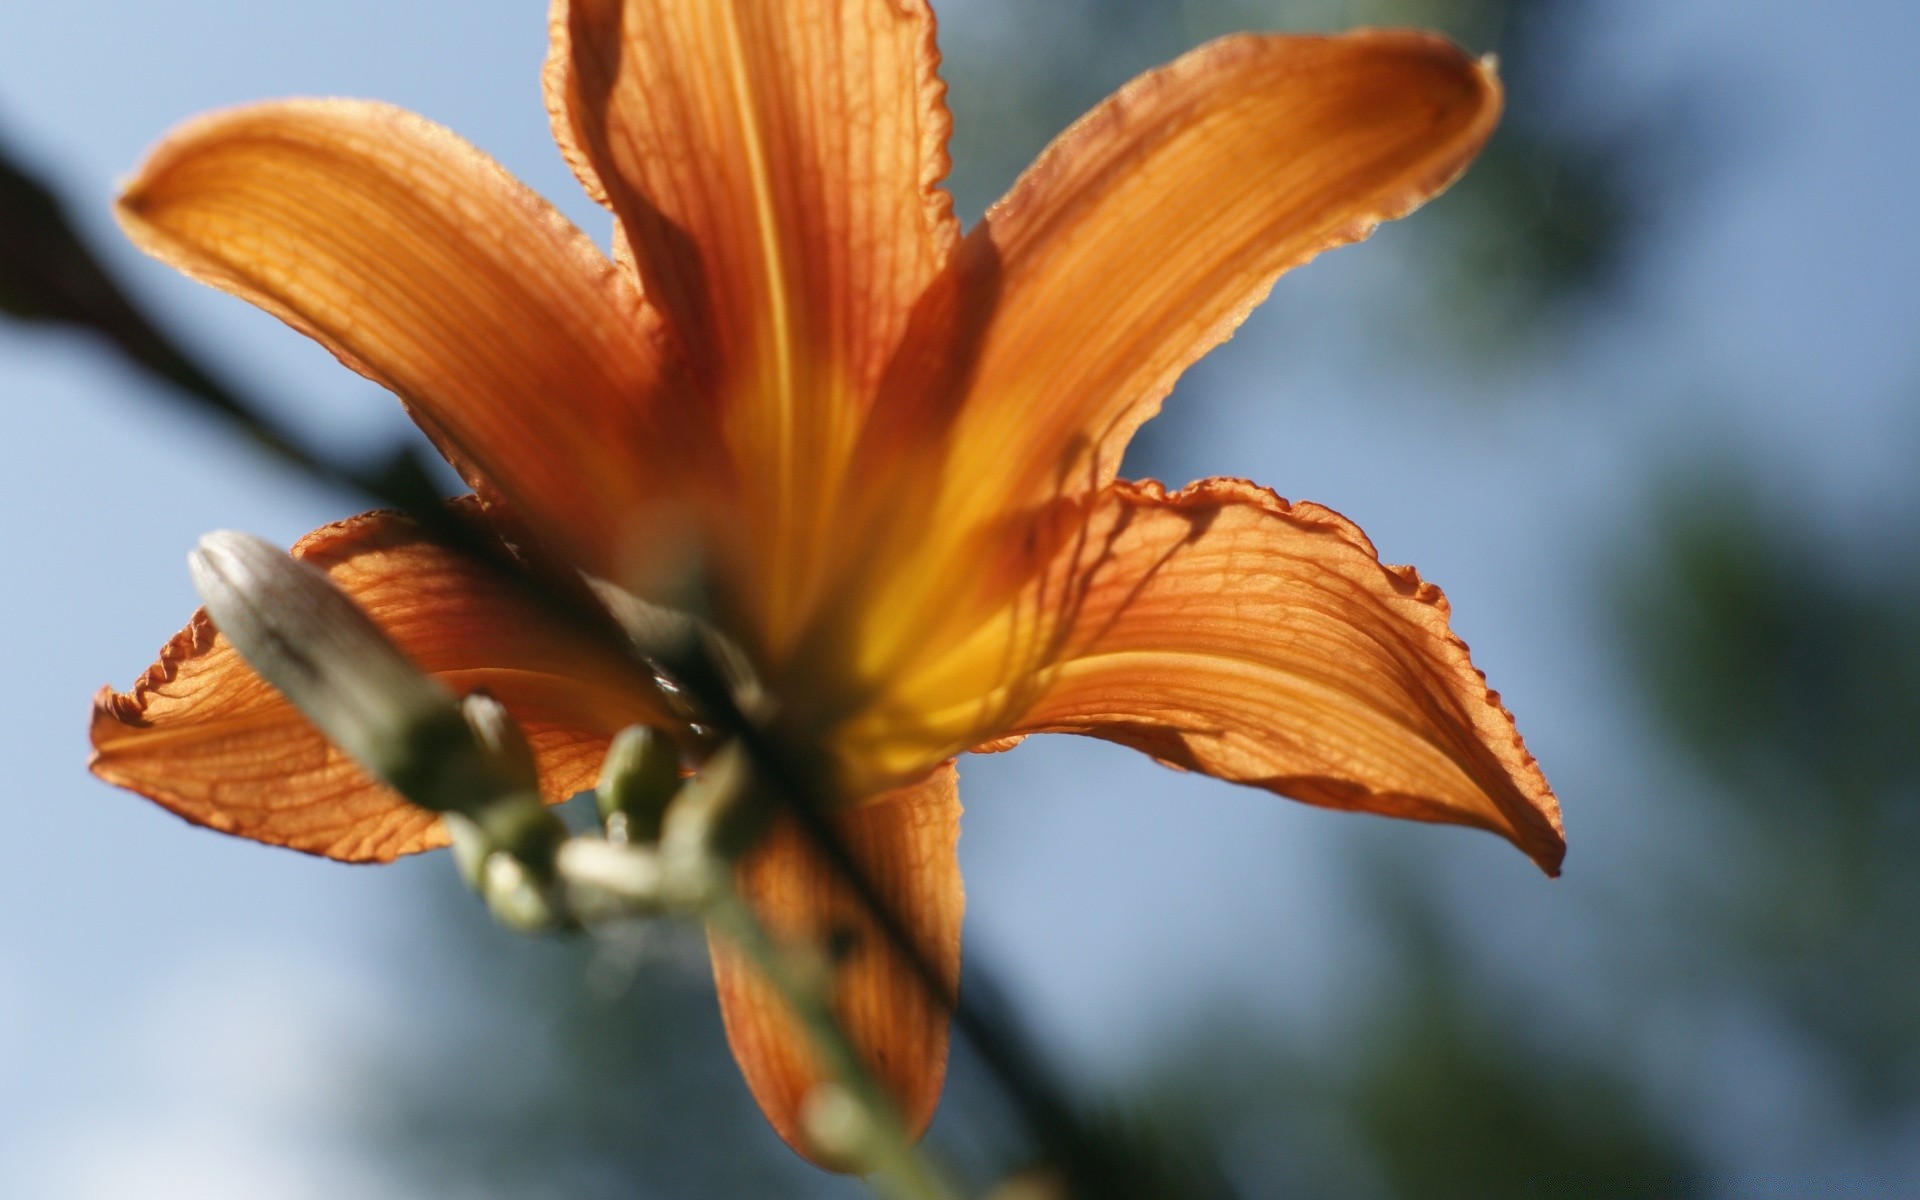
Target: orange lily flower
(887, 449)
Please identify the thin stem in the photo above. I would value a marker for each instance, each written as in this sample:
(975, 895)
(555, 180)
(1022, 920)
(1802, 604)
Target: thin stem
(1002, 1044)
(879, 1138)
(604, 880)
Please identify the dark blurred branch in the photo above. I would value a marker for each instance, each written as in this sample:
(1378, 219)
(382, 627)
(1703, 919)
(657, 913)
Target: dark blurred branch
(49, 275)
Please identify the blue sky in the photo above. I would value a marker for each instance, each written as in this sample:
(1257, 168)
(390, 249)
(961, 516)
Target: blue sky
(171, 1000)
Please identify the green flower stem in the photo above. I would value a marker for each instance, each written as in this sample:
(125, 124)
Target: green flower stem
(469, 761)
(852, 1116)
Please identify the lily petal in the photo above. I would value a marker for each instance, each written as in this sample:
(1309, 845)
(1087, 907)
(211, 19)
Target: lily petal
(1145, 234)
(775, 169)
(556, 88)
(422, 264)
(1224, 630)
(211, 741)
(777, 166)
(906, 842)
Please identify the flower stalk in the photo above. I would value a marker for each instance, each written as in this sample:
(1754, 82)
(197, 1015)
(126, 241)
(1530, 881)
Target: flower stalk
(850, 1118)
(667, 849)
(703, 830)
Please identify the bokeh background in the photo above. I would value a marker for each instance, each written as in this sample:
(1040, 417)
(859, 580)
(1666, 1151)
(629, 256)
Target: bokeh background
(1640, 393)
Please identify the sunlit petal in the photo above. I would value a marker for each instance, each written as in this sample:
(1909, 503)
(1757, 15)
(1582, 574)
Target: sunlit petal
(1139, 241)
(906, 842)
(563, 115)
(417, 260)
(1223, 630)
(775, 169)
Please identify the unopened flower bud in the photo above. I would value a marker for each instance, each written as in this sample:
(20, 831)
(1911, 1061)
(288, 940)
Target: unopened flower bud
(470, 848)
(716, 818)
(509, 755)
(516, 898)
(304, 636)
(640, 775)
(505, 811)
(605, 881)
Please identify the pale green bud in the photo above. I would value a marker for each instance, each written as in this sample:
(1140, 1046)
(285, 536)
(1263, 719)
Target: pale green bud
(515, 896)
(640, 776)
(509, 755)
(605, 881)
(470, 848)
(304, 636)
(716, 818)
(511, 816)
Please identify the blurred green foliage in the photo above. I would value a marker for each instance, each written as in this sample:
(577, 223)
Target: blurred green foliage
(1440, 1087)
(1777, 649)
(1783, 654)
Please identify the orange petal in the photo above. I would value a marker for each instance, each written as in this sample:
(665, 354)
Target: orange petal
(1146, 233)
(906, 842)
(211, 741)
(423, 265)
(775, 168)
(1223, 630)
(556, 87)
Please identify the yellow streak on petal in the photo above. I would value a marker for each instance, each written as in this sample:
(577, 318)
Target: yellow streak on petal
(779, 328)
(775, 169)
